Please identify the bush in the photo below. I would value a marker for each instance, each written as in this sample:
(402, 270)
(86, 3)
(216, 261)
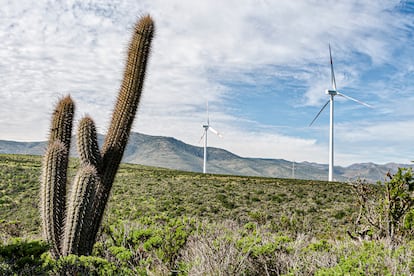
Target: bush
(22, 256)
(84, 265)
(389, 214)
(152, 243)
(370, 258)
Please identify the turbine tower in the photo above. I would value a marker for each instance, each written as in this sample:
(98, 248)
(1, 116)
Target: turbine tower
(332, 93)
(207, 127)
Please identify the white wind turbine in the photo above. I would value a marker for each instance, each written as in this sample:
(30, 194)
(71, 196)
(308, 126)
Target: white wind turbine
(207, 127)
(332, 93)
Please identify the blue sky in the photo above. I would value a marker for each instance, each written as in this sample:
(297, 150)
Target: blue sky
(262, 65)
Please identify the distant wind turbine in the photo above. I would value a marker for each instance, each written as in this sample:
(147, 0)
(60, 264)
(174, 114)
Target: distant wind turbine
(207, 127)
(332, 94)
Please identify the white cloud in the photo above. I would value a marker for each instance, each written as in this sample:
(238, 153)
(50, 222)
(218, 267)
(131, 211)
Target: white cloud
(201, 50)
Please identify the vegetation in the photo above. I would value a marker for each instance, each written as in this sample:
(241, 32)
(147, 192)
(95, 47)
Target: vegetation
(166, 222)
(389, 212)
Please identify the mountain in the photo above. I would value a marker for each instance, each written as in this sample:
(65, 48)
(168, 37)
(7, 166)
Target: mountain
(12, 147)
(171, 153)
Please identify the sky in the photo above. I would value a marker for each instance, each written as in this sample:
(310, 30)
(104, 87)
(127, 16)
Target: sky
(263, 66)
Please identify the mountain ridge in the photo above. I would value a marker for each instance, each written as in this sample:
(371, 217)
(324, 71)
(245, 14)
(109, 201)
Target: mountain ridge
(169, 152)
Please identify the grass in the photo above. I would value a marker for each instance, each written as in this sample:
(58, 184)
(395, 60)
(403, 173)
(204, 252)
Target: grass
(166, 222)
(315, 207)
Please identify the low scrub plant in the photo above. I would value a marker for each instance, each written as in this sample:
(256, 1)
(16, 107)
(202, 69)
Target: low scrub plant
(159, 245)
(164, 222)
(22, 257)
(386, 213)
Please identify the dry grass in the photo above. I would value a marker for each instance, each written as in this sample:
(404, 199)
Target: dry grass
(214, 224)
(226, 249)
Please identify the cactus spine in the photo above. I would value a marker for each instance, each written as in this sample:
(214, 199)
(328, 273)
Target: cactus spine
(53, 194)
(78, 221)
(87, 139)
(54, 175)
(62, 119)
(125, 110)
(92, 185)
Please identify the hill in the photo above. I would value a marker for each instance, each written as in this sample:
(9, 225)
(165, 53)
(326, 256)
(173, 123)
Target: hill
(168, 152)
(168, 222)
(313, 206)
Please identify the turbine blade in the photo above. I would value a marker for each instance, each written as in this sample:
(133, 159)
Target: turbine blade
(332, 70)
(352, 99)
(215, 132)
(319, 113)
(208, 115)
(202, 137)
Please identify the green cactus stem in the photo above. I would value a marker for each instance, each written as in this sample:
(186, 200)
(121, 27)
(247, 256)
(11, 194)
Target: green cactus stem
(62, 119)
(87, 140)
(54, 175)
(125, 110)
(53, 195)
(78, 222)
(128, 98)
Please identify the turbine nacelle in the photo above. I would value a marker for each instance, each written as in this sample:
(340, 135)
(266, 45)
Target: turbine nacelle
(331, 92)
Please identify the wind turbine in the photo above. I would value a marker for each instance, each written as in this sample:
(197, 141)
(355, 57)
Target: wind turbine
(207, 127)
(332, 93)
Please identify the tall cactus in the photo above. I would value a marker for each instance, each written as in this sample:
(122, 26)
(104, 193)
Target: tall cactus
(73, 231)
(125, 109)
(54, 175)
(78, 221)
(53, 195)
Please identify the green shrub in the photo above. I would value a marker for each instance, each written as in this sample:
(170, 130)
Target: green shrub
(22, 256)
(153, 243)
(121, 253)
(151, 240)
(408, 224)
(279, 243)
(84, 265)
(390, 214)
(174, 236)
(368, 259)
(319, 246)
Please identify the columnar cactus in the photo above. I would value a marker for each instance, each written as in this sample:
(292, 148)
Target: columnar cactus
(54, 175)
(78, 221)
(73, 230)
(53, 194)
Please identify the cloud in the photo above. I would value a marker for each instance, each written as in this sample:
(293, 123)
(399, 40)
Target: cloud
(205, 50)
(389, 141)
(267, 145)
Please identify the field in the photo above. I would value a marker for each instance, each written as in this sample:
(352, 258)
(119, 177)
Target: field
(167, 222)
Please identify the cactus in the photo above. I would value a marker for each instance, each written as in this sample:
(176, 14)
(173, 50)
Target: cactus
(54, 174)
(88, 148)
(53, 194)
(78, 221)
(74, 231)
(62, 122)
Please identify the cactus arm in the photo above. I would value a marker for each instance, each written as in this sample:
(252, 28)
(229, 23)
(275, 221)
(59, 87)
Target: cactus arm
(54, 174)
(61, 128)
(124, 113)
(78, 222)
(87, 141)
(128, 98)
(53, 194)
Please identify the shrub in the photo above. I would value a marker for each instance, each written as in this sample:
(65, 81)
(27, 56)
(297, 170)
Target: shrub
(389, 214)
(83, 265)
(22, 256)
